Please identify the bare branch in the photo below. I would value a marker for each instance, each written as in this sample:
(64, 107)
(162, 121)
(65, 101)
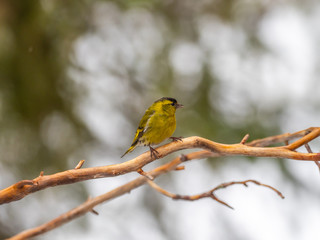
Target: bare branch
(310, 151)
(143, 173)
(313, 133)
(212, 149)
(210, 193)
(224, 185)
(318, 164)
(282, 138)
(92, 202)
(245, 139)
(79, 165)
(179, 168)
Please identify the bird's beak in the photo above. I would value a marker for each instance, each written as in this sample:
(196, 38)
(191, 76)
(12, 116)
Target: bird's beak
(178, 105)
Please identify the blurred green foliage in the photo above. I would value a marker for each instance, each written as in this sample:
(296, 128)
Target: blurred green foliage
(37, 38)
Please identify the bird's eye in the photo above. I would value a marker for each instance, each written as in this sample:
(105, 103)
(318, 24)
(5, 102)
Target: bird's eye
(172, 104)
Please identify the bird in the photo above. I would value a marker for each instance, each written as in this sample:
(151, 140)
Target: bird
(157, 124)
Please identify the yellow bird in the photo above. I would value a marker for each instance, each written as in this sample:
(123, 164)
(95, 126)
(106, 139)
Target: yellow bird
(157, 124)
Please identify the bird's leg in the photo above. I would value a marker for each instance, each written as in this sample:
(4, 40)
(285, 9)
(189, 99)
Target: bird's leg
(154, 153)
(176, 139)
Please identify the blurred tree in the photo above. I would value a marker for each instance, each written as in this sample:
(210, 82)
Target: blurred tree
(38, 128)
(37, 39)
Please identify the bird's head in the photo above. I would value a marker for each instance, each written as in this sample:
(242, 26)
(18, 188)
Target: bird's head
(168, 104)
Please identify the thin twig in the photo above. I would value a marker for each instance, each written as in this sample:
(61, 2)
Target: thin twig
(318, 164)
(224, 185)
(179, 168)
(314, 133)
(310, 151)
(210, 193)
(79, 165)
(145, 174)
(282, 138)
(245, 139)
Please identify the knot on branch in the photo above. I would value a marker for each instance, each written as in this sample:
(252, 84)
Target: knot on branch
(183, 158)
(20, 185)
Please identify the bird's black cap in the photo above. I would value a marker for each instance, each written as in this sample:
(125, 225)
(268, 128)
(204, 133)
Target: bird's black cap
(167, 98)
(174, 101)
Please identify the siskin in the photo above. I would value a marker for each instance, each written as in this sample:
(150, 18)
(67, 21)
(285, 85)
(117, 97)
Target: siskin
(157, 124)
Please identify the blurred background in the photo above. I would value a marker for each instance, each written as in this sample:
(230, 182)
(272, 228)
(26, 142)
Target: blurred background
(76, 77)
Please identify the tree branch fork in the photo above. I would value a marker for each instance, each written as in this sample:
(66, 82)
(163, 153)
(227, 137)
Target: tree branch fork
(257, 148)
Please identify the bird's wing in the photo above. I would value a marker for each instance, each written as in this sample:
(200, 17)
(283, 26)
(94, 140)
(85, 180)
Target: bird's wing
(143, 126)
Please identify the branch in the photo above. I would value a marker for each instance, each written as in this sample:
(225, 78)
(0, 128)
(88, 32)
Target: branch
(212, 149)
(216, 150)
(283, 138)
(92, 202)
(210, 193)
(127, 188)
(310, 151)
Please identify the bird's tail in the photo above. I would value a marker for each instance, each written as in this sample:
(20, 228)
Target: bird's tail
(129, 150)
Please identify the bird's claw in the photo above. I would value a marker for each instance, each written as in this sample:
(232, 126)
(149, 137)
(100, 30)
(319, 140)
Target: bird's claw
(176, 139)
(154, 153)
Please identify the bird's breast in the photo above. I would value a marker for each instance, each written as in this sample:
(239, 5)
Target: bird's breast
(160, 128)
